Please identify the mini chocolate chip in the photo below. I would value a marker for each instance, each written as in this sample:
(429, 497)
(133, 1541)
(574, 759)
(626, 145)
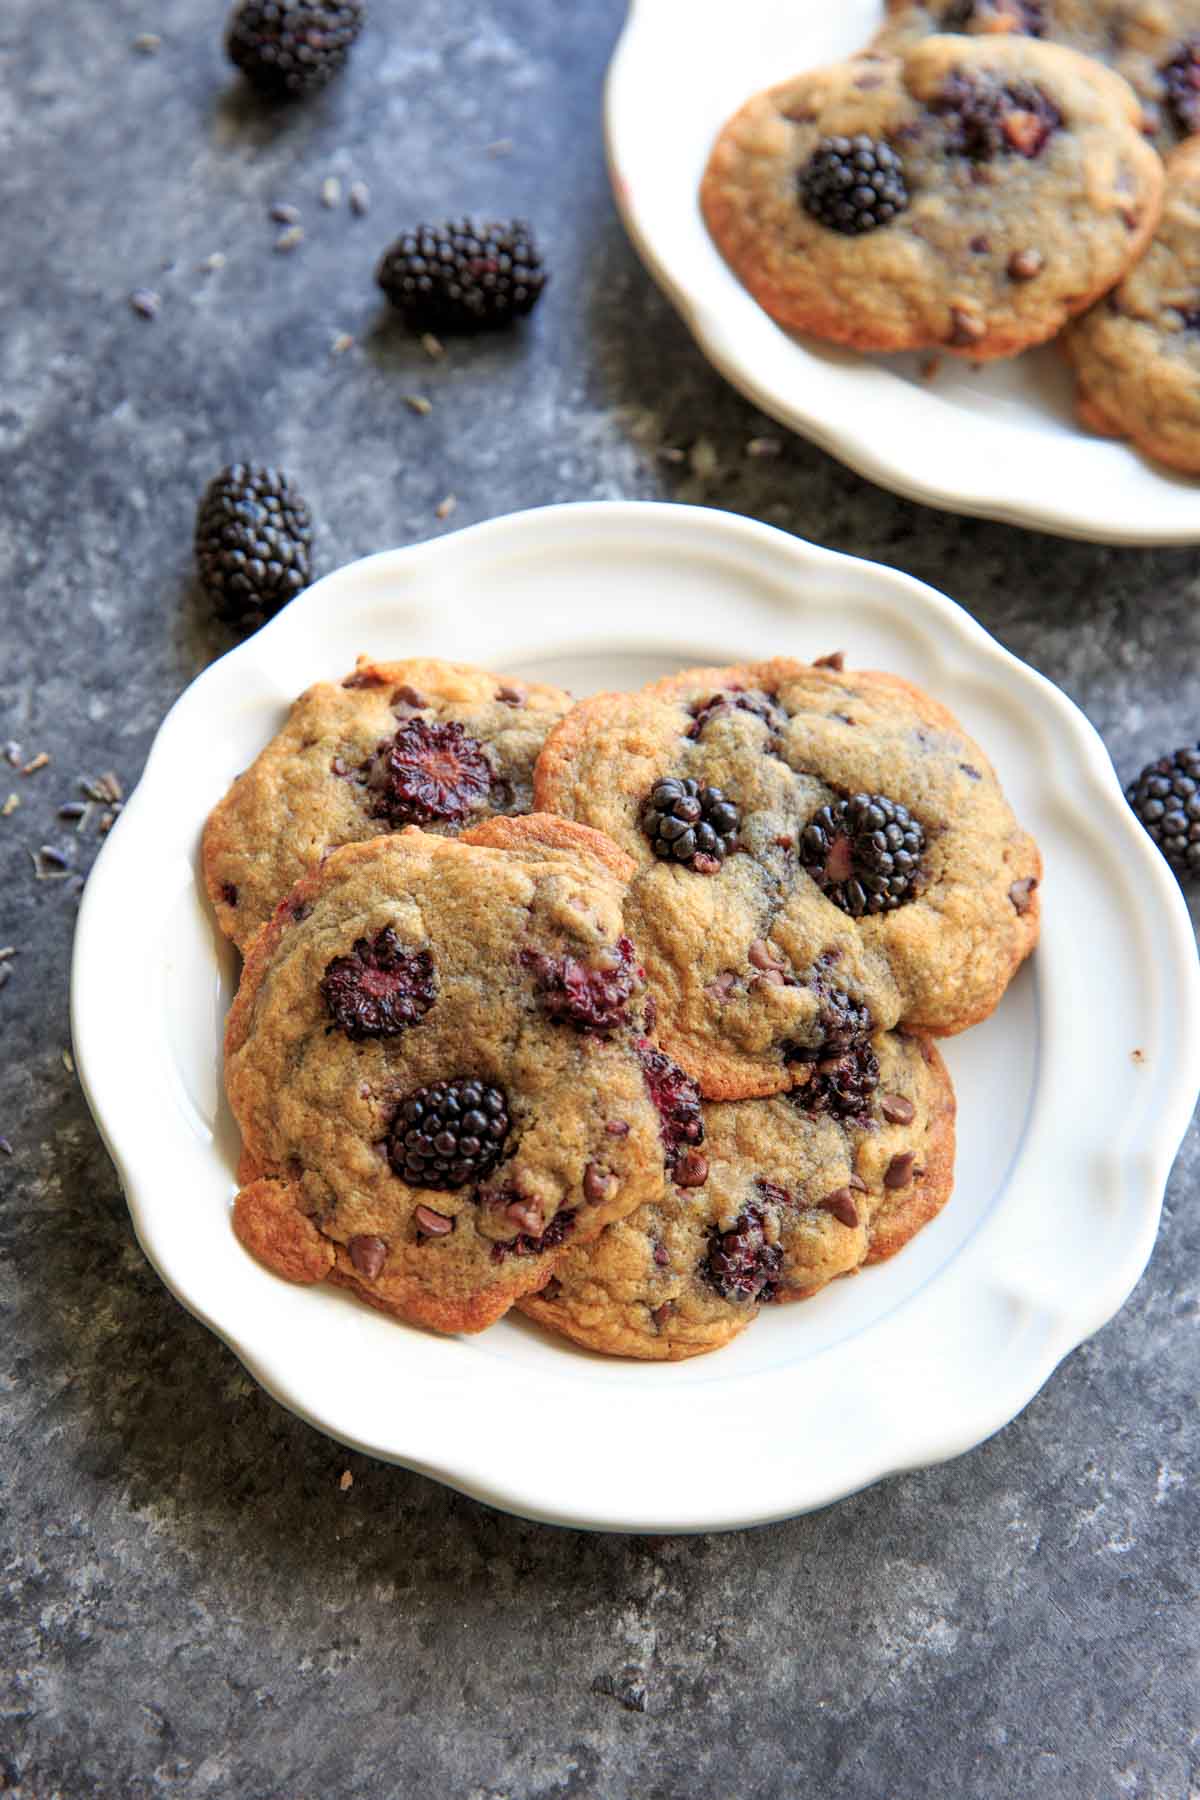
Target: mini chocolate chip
(363, 678)
(1023, 265)
(896, 1109)
(900, 1170)
(858, 1184)
(301, 911)
(1021, 893)
(691, 1170)
(407, 696)
(835, 660)
(617, 1128)
(552, 1289)
(662, 1255)
(511, 693)
(229, 893)
(368, 1254)
(433, 1224)
(841, 1204)
(598, 1184)
(965, 328)
(981, 245)
(662, 1313)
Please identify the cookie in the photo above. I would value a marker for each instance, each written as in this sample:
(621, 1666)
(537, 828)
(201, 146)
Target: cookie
(437, 1061)
(971, 195)
(435, 744)
(1154, 44)
(847, 863)
(1136, 355)
(795, 1197)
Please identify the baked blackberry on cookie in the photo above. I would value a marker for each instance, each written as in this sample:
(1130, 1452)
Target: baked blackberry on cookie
(1155, 44)
(821, 855)
(437, 1060)
(971, 195)
(795, 1195)
(435, 744)
(1136, 355)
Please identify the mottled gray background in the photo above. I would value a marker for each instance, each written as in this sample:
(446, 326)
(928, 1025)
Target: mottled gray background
(192, 1605)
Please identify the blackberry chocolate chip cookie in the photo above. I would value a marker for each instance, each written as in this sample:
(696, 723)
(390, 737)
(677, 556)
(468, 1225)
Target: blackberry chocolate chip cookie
(435, 744)
(821, 854)
(437, 1061)
(799, 1190)
(971, 195)
(1136, 355)
(1154, 44)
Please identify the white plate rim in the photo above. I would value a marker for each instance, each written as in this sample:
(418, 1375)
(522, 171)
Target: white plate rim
(885, 430)
(1050, 1318)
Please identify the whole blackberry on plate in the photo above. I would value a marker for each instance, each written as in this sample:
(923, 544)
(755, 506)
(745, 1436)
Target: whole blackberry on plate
(1181, 78)
(1166, 798)
(448, 1134)
(289, 48)
(253, 542)
(463, 276)
(853, 184)
(690, 824)
(864, 853)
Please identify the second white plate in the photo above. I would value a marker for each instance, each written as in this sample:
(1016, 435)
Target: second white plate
(1001, 441)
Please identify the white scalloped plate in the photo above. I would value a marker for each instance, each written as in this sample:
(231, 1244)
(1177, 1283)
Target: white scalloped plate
(1072, 1104)
(1000, 441)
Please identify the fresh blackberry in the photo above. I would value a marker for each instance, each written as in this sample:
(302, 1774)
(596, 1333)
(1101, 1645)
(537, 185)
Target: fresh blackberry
(379, 989)
(1181, 78)
(1166, 798)
(463, 276)
(289, 48)
(985, 118)
(448, 1134)
(677, 1100)
(592, 999)
(1024, 17)
(253, 543)
(842, 1086)
(864, 853)
(741, 1265)
(429, 773)
(689, 824)
(853, 184)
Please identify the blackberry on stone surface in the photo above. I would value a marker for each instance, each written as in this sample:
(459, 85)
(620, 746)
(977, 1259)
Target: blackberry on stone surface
(576, 993)
(1166, 798)
(463, 276)
(289, 48)
(842, 1086)
(677, 1100)
(449, 1133)
(853, 184)
(253, 542)
(1024, 17)
(429, 773)
(690, 824)
(741, 1265)
(864, 853)
(985, 118)
(1181, 79)
(379, 988)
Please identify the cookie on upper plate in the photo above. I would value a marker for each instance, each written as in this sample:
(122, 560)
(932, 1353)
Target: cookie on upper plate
(435, 744)
(1155, 45)
(799, 1190)
(437, 1061)
(821, 854)
(969, 196)
(1136, 355)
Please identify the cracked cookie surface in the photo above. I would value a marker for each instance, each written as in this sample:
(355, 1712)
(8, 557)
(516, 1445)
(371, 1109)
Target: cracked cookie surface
(436, 744)
(438, 1063)
(1136, 355)
(792, 1201)
(1016, 187)
(805, 938)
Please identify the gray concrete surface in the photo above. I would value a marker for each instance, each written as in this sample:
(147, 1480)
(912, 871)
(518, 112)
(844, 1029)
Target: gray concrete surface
(192, 1604)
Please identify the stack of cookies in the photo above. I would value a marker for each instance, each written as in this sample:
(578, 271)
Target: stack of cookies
(984, 176)
(620, 1012)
